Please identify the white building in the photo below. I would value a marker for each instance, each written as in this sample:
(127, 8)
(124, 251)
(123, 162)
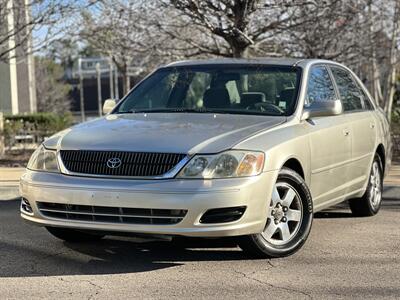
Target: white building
(17, 74)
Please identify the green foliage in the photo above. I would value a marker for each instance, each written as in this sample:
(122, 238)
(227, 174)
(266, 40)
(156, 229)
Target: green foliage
(395, 123)
(39, 125)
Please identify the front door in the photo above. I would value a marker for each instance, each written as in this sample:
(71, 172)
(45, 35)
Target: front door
(330, 144)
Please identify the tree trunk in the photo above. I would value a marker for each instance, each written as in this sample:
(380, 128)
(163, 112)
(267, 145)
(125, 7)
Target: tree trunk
(239, 52)
(391, 89)
(391, 80)
(375, 84)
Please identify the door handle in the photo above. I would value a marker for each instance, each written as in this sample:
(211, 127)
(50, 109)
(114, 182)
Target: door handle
(372, 125)
(346, 132)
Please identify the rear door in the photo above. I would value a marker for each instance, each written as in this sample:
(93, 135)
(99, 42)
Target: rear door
(330, 143)
(357, 108)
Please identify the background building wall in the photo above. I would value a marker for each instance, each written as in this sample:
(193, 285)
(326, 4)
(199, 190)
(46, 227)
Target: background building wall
(5, 88)
(17, 81)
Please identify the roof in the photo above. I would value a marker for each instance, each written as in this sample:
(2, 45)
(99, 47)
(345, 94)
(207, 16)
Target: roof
(255, 61)
(241, 61)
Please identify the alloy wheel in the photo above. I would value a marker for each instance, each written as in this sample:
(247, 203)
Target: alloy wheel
(285, 215)
(375, 186)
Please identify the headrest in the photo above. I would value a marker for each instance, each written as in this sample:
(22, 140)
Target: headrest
(216, 98)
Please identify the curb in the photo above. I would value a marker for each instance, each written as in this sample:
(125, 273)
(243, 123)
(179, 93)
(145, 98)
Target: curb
(9, 192)
(9, 183)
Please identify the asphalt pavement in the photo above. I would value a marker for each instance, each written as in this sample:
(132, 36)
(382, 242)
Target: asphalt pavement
(345, 257)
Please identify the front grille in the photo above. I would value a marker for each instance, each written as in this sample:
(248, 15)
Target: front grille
(139, 164)
(111, 214)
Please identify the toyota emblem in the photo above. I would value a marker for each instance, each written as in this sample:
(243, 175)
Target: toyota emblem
(114, 163)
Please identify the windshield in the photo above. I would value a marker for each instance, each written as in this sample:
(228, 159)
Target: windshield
(258, 90)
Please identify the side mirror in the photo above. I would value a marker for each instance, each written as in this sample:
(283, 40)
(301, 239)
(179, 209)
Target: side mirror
(322, 109)
(108, 105)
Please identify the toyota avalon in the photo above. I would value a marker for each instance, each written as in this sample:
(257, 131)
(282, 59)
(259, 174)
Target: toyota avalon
(248, 149)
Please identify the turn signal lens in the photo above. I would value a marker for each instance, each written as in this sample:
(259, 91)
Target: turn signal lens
(251, 164)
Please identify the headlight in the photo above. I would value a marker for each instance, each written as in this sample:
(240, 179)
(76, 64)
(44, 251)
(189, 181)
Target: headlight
(228, 164)
(43, 160)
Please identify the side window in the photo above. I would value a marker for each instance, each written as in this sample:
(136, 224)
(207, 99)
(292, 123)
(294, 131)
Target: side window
(367, 102)
(320, 87)
(350, 93)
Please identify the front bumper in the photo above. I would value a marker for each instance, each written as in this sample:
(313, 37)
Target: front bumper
(195, 196)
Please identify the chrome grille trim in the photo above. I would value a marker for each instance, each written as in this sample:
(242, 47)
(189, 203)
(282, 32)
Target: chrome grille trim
(137, 165)
(110, 214)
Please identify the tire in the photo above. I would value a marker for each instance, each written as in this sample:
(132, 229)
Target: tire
(74, 236)
(370, 203)
(288, 221)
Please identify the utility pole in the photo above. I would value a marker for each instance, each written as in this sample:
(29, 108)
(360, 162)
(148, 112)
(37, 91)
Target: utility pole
(116, 84)
(128, 83)
(99, 100)
(111, 79)
(81, 90)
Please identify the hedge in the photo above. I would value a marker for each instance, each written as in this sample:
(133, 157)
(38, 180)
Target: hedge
(40, 125)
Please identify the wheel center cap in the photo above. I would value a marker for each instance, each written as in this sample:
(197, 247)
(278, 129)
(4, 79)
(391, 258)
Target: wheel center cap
(278, 213)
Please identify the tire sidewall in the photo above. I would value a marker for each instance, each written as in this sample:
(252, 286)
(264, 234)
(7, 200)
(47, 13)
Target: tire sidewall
(297, 182)
(368, 191)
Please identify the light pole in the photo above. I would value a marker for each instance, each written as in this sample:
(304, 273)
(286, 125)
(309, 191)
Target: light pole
(111, 78)
(81, 90)
(99, 100)
(116, 84)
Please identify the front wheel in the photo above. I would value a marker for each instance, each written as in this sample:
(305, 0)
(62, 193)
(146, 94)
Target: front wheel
(289, 219)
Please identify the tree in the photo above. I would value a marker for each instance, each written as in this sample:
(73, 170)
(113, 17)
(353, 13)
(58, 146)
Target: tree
(390, 88)
(52, 92)
(229, 28)
(119, 29)
(362, 34)
(328, 32)
(19, 19)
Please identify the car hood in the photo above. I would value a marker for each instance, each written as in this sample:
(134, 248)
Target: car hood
(164, 132)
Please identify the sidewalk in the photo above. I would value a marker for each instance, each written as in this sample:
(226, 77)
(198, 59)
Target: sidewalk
(9, 178)
(393, 177)
(391, 188)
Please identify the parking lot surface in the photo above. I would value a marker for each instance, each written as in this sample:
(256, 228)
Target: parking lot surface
(345, 257)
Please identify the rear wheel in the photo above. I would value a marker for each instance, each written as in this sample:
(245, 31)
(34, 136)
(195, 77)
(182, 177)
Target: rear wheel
(370, 203)
(71, 235)
(288, 221)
